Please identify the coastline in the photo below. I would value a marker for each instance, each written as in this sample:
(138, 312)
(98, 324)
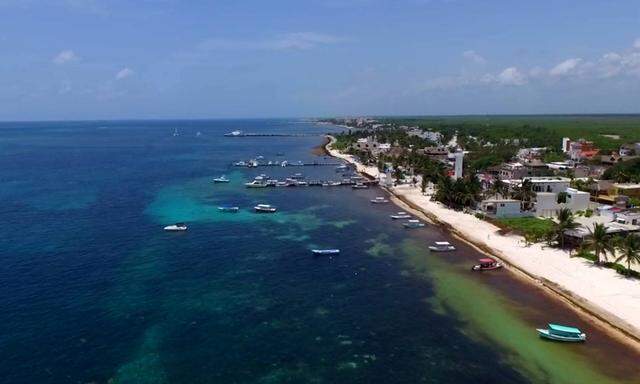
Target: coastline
(603, 296)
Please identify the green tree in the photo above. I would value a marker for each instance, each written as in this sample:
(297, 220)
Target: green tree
(629, 250)
(565, 222)
(599, 242)
(524, 192)
(498, 188)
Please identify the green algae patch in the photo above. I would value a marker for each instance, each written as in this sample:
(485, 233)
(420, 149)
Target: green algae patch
(379, 248)
(490, 317)
(146, 365)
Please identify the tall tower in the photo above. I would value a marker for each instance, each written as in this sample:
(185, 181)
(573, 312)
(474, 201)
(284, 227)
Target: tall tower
(458, 156)
(565, 144)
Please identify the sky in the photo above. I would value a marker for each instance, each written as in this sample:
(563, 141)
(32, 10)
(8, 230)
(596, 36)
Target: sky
(158, 59)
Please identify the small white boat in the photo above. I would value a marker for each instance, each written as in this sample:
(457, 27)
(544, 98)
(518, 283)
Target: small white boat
(335, 184)
(221, 179)
(264, 208)
(281, 184)
(325, 251)
(177, 227)
(256, 184)
(413, 224)
(379, 200)
(233, 133)
(400, 216)
(359, 186)
(175, 132)
(442, 246)
(228, 208)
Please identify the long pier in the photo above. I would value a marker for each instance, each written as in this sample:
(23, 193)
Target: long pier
(273, 134)
(284, 163)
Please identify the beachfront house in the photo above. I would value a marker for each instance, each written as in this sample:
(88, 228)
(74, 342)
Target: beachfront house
(555, 184)
(501, 208)
(548, 204)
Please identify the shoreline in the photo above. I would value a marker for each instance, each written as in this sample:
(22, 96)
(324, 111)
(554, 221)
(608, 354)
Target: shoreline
(579, 295)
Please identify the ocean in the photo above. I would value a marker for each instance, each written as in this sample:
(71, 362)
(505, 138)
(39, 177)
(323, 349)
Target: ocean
(92, 290)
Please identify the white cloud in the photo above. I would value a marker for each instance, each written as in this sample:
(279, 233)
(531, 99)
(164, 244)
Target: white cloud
(566, 67)
(636, 44)
(509, 76)
(65, 56)
(474, 56)
(124, 73)
(289, 41)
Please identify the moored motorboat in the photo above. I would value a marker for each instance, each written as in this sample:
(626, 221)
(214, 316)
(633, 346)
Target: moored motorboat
(228, 208)
(359, 186)
(177, 227)
(562, 333)
(264, 208)
(400, 216)
(442, 246)
(325, 251)
(256, 184)
(221, 179)
(379, 200)
(486, 264)
(413, 224)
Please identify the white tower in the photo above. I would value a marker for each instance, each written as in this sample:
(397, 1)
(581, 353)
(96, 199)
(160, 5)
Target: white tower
(458, 156)
(565, 144)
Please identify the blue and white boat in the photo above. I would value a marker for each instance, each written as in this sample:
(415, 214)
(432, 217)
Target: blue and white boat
(413, 224)
(401, 215)
(177, 227)
(221, 179)
(228, 208)
(559, 332)
(442, 246)
(325, 251)
(264, 208)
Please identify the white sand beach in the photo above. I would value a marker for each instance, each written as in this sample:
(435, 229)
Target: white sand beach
(601, 292)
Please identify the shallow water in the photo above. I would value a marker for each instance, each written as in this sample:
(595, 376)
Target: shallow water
(92, 289)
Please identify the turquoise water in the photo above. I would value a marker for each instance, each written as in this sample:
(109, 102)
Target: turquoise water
(92, 289)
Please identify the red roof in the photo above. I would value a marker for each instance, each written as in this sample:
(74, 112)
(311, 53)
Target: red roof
(486, 260)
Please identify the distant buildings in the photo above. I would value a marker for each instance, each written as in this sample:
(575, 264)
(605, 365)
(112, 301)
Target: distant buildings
(579, 150)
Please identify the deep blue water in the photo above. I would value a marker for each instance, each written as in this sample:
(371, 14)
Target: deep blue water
(92, 289)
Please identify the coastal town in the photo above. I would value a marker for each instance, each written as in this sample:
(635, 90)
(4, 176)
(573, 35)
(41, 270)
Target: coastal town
(552, 212)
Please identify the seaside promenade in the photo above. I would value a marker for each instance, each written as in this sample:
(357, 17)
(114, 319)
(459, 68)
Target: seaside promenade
(602, 293)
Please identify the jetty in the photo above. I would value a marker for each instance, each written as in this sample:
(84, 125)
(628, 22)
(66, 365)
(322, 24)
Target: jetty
(254, 163)
(242, 134)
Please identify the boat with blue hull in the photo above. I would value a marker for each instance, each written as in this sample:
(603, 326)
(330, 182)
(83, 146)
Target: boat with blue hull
(564, 333)
(228, 208)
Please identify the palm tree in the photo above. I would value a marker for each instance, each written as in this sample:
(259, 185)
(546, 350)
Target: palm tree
(525, 194)
(600, 242)
(565, 222)
(498, 188)
(629, 250)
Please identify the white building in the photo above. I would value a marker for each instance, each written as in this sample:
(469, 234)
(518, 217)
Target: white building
(628, 217)
(553, 184)
(501, 208)
(547, 202)
(457, 167)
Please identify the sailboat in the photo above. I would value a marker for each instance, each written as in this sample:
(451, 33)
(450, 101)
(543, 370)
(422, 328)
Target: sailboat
(175, 132)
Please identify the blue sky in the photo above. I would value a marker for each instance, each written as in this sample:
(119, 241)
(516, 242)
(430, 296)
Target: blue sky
(84, 59)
